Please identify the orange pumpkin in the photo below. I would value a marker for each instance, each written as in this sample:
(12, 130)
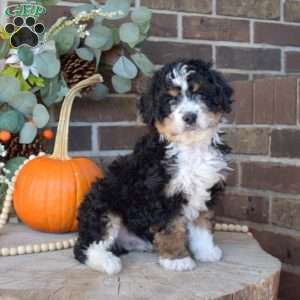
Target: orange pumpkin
(50, 188)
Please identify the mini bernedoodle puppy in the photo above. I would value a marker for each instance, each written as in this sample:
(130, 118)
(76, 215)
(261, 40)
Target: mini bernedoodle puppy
(157, 197)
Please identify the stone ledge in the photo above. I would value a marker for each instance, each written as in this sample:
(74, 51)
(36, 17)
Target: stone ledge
(246, 272)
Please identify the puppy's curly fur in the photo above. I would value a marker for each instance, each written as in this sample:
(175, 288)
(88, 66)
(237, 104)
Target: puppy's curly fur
(155, 197)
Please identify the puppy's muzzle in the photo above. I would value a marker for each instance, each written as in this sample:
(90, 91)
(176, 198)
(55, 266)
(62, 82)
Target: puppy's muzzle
(190, 118)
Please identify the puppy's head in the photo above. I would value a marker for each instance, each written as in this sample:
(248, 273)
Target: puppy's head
(185, 98)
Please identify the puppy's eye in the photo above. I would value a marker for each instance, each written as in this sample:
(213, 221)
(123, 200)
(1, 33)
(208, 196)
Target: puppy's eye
(196, 87)
(173, 92)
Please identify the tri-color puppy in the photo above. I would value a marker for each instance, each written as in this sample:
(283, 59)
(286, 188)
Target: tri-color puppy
(157, 197)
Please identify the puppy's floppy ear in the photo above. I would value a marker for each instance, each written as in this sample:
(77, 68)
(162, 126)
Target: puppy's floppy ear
(224, 91)
(147, 102)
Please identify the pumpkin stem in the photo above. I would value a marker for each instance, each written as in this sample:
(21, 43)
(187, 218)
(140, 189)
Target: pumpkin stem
(61, 140)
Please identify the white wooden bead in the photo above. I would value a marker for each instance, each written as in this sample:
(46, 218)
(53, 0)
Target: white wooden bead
(44, 247)
(58, 245)
(13, 251)
(7, 204)
(65, 244)
(231, 227)
(42, 153)
(5, 210)
(4, 251)
(28, 249)
(245, 228)
(36, 248)
(218, 226)
(224, 227)
(238, 228)
(21, 250)
(51, 246)
(31, 157)
(72, 242)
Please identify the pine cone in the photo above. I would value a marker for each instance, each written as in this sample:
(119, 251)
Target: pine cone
(14, 148)
(76, 69)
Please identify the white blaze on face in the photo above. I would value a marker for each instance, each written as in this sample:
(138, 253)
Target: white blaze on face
(205, 119)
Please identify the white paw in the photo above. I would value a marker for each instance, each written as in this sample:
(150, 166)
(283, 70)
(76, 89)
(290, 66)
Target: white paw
(112, 264)
(209, 254)
(102, 260)
(178, 264)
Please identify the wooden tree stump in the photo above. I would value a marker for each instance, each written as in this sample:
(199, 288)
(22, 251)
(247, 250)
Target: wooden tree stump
(246, 272)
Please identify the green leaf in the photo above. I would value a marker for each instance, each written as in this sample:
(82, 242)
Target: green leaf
(141, 15)
(97, 53)
(28, 133)
(65, 39)
(50, 92)
(120, 84)
(116, 6)
(85, 53)
(144, 28)
(24, 102)
(125, 68)
(13, 164)
(99, 36)
(82, 8)
(40, 116)
(4, 48)
(9, 87)
(129, 33)
(25, 55)
(99, 92)
(144, 64)
(47, 64)
(49, 2)
(11, 121)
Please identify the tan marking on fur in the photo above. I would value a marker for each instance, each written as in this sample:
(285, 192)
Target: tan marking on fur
(171, 242)
(166, 129)
(113, 226)
(205, 220)
(174, 92)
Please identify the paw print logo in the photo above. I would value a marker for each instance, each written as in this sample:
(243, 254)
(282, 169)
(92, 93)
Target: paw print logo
(24, 32)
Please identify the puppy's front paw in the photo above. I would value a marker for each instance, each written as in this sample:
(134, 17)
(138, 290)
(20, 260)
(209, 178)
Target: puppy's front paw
(178, 264)
(209, 254)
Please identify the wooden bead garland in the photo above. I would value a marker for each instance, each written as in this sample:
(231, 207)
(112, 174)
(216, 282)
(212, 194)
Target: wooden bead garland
(27, 249)
(68, 243)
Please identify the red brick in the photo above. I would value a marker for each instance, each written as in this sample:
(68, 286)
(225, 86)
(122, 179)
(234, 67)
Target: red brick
(80, 139)
(270, 176)
(164, 25)
(243, 207)
(119, 138)
(292, 11)
(292, 62)
(243, 102)
(289, 288)
(215, 29)
(248, 58)
(285, 143)
(55, 12)
(286, 213)
(203, 6)
(277, 34)
(284, 247)
(248, 140)
(232, 178)
(285, 108)
(235, 76)
(112, 109)
(164, 52)
(265, 9)
(264, 90)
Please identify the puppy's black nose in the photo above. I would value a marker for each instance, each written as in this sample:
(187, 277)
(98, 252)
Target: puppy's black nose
(190, 118)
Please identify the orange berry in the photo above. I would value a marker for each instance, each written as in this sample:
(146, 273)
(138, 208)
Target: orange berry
(5, 136)
(48, 134)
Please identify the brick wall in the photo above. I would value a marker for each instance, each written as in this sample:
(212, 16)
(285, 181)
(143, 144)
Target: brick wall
(245, 39)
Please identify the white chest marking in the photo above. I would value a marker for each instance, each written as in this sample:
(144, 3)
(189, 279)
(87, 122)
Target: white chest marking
(197, 169)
